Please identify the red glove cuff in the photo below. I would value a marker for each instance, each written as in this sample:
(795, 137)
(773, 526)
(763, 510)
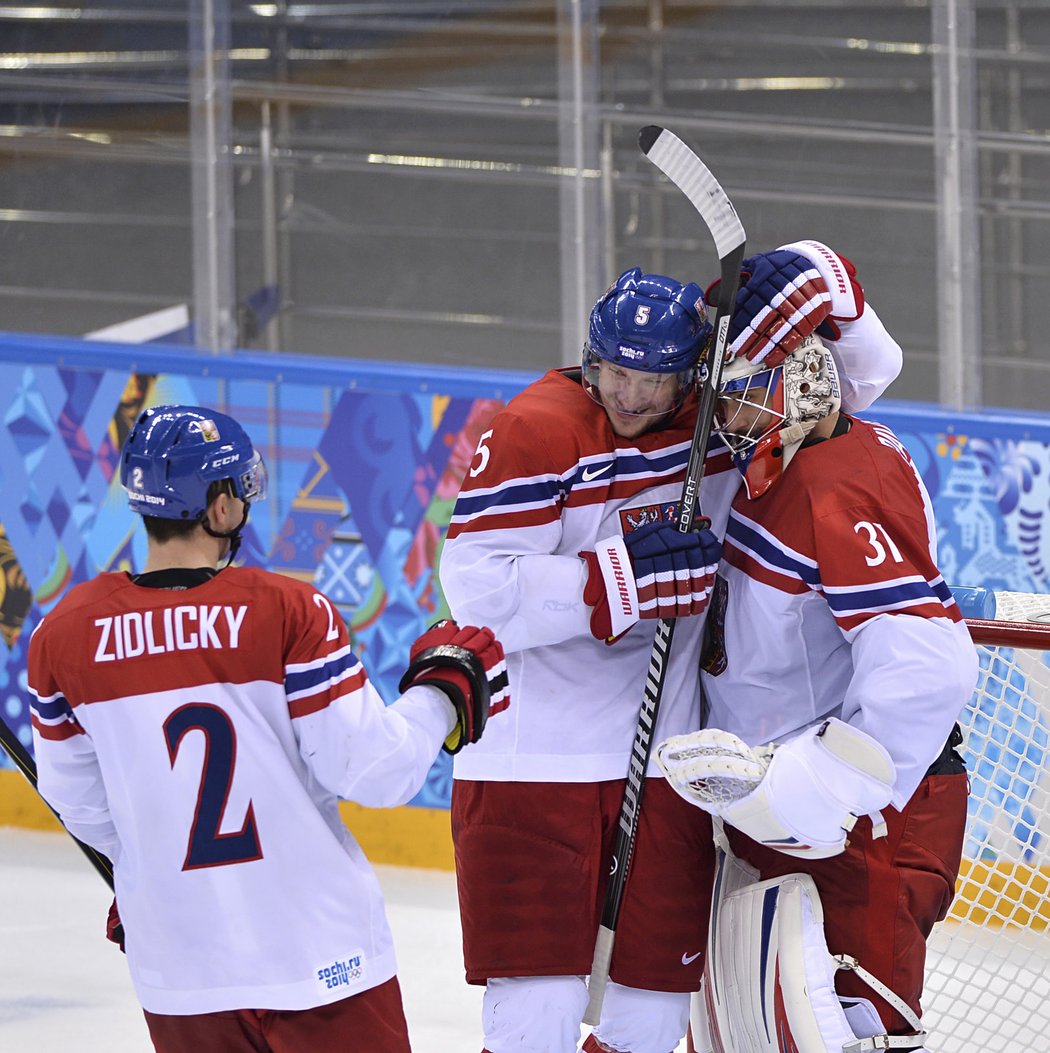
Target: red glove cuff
(596, 596)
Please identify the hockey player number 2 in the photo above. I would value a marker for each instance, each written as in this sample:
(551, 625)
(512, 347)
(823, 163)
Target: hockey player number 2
(333, 631)
(207, 847)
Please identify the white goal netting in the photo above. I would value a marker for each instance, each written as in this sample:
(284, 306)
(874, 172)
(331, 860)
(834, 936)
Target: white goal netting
(988, 971)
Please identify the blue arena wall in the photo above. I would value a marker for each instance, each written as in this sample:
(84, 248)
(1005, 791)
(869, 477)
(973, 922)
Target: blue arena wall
(365, 460)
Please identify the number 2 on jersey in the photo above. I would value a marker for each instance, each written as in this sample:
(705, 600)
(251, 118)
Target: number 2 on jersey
(207, 847)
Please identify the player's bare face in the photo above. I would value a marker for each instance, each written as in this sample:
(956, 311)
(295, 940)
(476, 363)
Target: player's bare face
(635, 401)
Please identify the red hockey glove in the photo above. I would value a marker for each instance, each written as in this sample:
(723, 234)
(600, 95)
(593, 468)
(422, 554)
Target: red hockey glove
(114, 926)
(654, 572)
(840, 276)
(467, 664)
(786, 295)
(781, 300)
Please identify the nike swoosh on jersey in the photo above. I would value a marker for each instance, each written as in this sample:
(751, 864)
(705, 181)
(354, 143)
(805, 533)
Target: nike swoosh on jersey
(593, 473)
(688, 959)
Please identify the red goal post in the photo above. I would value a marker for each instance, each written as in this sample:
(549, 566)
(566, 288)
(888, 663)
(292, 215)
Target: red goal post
(988, 971)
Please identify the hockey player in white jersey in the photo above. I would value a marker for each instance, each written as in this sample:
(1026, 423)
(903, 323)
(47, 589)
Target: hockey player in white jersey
(835, 665)
(199, 727)
(563, 540)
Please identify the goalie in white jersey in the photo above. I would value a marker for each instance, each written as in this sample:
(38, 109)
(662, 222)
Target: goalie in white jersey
(563, 539)
(832, 638)
(199, 727)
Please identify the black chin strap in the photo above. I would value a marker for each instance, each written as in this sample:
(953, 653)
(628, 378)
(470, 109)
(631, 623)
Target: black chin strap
(233, 536)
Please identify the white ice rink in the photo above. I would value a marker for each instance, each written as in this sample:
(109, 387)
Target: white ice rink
(65, 989)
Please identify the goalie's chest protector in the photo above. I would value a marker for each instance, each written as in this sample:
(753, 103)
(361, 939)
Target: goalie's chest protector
(846, 534)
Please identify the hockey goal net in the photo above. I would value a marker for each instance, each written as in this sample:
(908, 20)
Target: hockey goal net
(988, 971)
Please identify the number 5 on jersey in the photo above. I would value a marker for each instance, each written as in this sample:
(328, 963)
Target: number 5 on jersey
(483, 452)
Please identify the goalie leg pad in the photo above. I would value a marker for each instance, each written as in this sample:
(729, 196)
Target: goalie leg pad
(778, 978)
(770, 979)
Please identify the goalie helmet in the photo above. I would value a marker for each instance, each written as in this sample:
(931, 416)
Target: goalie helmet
(652, 325)
(763, 414)
(174, 453)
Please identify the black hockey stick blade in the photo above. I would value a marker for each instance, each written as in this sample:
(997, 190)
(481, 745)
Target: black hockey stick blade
(678, 162)
(24, 762)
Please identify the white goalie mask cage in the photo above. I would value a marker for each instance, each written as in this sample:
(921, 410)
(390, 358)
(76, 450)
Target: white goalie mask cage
(793, 396)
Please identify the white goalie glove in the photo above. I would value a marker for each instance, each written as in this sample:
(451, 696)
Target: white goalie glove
(801, 798)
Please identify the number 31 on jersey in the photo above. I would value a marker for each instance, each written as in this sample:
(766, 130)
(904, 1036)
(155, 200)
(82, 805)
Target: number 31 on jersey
(880, 542)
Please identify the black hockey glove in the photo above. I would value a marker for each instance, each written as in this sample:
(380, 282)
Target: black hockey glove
(467, 664)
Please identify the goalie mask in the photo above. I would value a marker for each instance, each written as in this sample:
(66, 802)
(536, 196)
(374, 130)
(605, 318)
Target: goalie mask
(646, 336)
(763, 415)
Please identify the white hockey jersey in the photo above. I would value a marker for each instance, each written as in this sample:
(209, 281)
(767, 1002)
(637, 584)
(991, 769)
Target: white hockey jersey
(549, 479)
(829, 603)
(201, 738)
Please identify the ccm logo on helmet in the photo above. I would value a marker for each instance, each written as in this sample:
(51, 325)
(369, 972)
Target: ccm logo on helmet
(220, 461)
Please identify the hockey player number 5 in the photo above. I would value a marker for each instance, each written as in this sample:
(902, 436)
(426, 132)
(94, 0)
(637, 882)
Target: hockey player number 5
(207, 847)
(873, 530)
(483, 452)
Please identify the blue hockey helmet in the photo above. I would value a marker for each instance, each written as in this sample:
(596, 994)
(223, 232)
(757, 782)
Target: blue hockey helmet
(174, 453)
(649, 323)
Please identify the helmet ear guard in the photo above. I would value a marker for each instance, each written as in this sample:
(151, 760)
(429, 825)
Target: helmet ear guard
(797, 394)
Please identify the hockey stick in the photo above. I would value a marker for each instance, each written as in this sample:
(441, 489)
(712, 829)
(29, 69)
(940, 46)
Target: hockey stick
(27, 766)
(693, 178)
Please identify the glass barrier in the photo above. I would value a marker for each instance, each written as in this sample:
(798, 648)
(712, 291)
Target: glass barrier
(455, 181)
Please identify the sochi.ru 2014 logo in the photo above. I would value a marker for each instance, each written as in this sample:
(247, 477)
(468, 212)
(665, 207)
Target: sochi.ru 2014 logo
(341, 972)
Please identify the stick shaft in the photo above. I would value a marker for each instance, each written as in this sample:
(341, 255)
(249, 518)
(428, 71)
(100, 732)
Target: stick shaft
(13, 747)
(695, 180)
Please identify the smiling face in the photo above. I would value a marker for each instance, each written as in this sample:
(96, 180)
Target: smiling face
(635, 401)
(645, 336)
